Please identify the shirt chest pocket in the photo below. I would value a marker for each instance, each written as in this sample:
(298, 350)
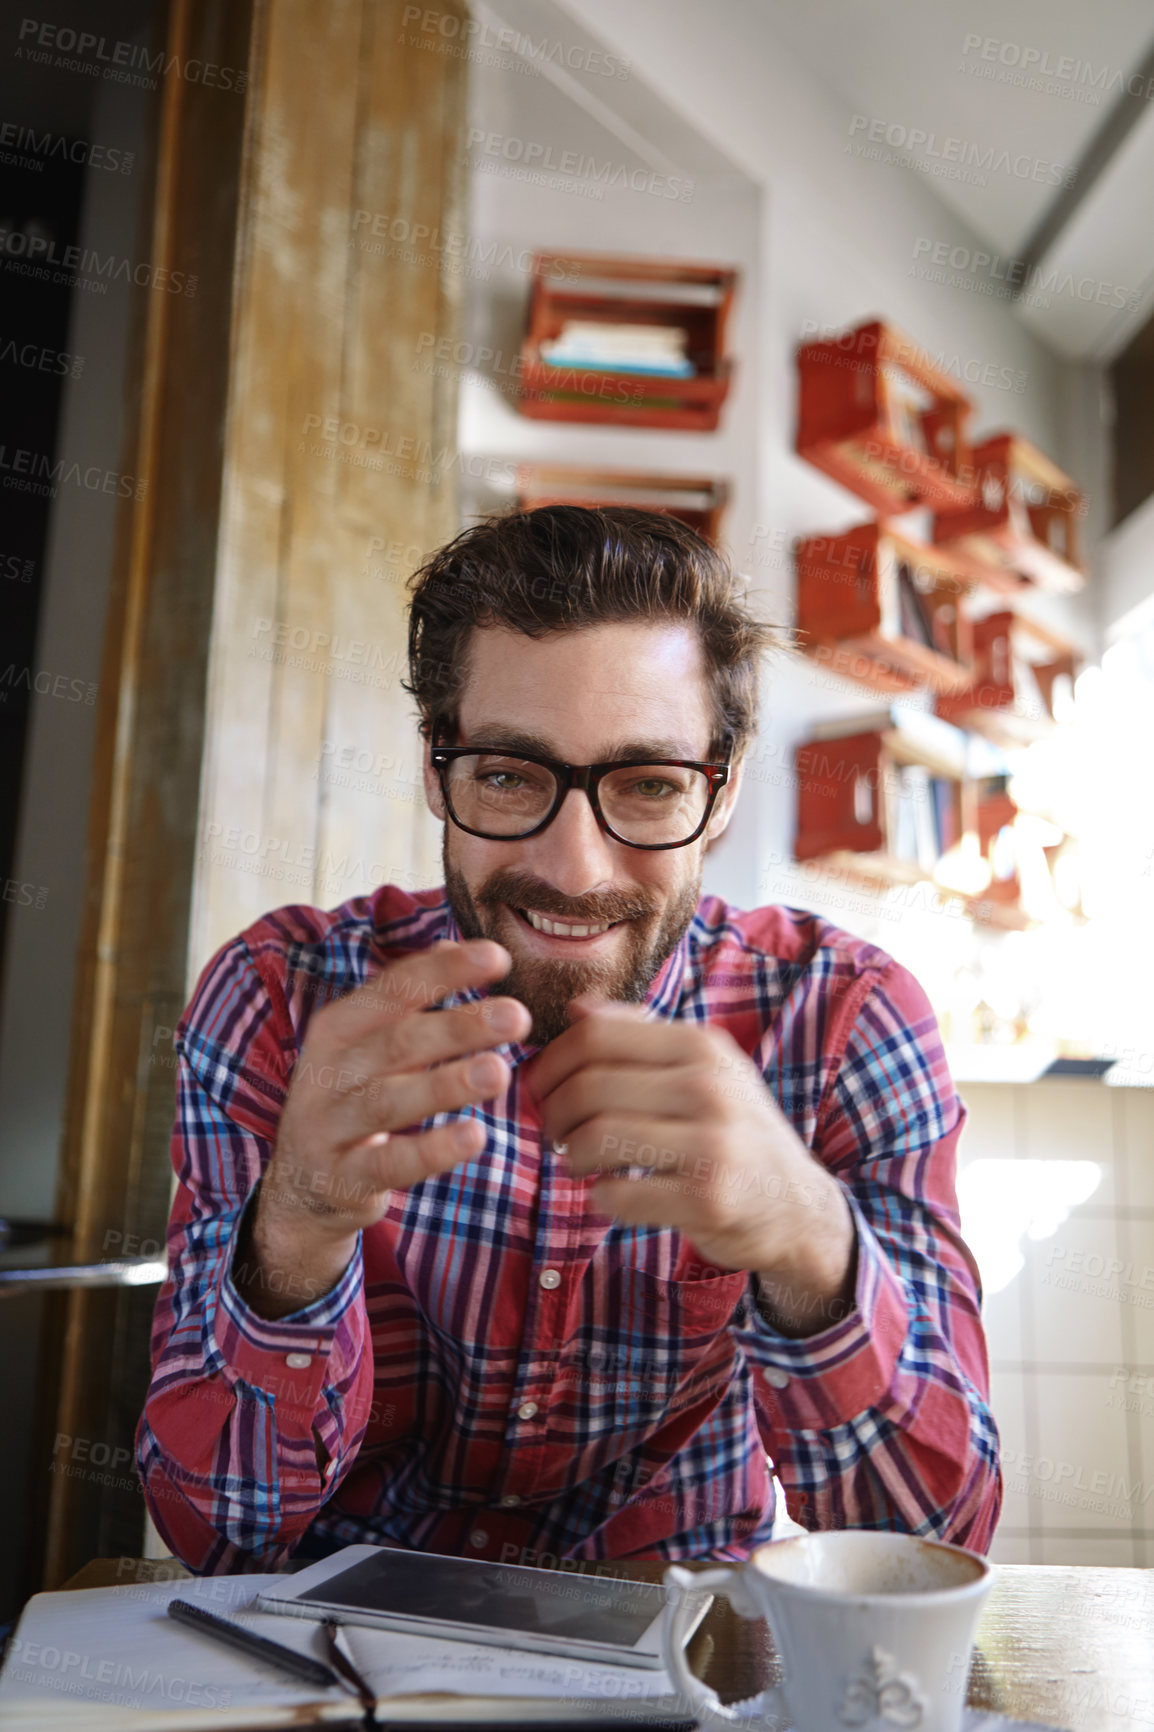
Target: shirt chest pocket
(660, 1346)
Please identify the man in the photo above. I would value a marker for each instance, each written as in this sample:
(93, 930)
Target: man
(526, 1217)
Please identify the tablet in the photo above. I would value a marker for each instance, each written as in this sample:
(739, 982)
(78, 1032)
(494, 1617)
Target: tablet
(564, 1612)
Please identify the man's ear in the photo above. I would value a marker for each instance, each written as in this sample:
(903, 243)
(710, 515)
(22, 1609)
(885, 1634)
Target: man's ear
(726, 801)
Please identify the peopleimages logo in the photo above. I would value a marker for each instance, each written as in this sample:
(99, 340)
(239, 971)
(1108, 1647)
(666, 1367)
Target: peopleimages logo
(971, 267)
(44, 43)
(49, 144)
(1038, 63)
(39, 254)
(958, 154)
(532, 156)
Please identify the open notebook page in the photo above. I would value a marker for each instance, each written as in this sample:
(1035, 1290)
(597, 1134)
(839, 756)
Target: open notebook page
(111, 1657)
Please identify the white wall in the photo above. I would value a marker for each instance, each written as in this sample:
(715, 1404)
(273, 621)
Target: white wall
(1057, 1193)
(820, 236)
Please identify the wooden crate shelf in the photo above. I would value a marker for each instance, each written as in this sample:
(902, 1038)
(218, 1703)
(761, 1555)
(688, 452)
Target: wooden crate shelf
(847, 812)
(607, 289)
(862, 595)
(1016, 663)
(697, 501)
(876, 414)
(850, 816)
(1025, 518)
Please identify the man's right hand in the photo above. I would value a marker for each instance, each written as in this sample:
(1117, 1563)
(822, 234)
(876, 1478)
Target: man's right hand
(373, 1063)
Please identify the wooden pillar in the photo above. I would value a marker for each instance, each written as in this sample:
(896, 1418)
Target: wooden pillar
(115, 1172)
(257, 632)
(339, 464)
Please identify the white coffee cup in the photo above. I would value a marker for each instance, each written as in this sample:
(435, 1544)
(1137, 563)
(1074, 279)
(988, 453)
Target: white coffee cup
(874, 1630)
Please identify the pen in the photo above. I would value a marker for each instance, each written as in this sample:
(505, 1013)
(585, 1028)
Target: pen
(256, 1647)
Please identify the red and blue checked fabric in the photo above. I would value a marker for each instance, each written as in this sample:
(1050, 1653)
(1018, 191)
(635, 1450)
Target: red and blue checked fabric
(502, 1373)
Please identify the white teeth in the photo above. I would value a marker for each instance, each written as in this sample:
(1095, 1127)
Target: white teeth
(561, 928)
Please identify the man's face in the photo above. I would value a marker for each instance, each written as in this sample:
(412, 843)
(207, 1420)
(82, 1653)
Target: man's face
(583, 697)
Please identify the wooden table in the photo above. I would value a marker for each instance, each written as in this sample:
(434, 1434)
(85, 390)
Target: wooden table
(1069, 1647)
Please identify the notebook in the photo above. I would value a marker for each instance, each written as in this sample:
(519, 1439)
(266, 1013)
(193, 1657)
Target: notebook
(106, 1659)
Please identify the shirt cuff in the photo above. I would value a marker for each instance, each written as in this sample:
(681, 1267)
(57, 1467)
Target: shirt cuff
(294, 1358)
(820, 1381)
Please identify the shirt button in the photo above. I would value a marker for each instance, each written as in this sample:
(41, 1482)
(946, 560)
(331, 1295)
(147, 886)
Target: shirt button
(527, 1410)
(775, 1378)
(298, 1361)
(550, 1278)
(510, 1500)
(478, 1537)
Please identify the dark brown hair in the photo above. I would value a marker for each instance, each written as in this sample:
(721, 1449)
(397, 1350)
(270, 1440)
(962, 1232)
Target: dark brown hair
(561, 567)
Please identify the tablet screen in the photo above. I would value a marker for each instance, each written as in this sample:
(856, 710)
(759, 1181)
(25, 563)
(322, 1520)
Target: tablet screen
(460, 1591)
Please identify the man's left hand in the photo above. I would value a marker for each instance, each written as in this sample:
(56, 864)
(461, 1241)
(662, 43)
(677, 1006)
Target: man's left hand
(724, 1165)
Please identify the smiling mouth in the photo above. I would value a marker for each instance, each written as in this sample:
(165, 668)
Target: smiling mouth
(564, 928)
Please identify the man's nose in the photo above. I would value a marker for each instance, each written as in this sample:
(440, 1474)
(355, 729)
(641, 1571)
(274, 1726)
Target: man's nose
(574, 854)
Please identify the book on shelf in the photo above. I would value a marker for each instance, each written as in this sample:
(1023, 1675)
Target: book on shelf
(916, 616)
(625, 347)
(945, 812)
(921, 815)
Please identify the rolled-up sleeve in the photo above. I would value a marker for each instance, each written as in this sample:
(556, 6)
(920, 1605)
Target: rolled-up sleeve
(881, 1420)
(249, 1424)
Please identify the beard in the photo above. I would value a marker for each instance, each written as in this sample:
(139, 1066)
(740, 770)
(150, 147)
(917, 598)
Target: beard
(545, 985)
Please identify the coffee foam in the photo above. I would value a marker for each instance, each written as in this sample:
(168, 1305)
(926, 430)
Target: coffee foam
(858, 1562)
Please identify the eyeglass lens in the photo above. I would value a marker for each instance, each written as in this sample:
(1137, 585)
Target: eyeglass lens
(506, 796)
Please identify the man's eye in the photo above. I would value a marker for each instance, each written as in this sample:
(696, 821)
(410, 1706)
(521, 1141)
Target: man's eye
(652, 787)
(505, 781)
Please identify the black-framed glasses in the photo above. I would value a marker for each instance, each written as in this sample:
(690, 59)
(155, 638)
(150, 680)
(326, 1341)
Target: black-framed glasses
(507, 796)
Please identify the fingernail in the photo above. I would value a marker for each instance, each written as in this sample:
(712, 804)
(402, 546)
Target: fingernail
(485, 1072)
(480, 949)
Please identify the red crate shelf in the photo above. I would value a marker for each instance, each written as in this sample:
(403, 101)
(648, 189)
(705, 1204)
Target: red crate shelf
(850, 611)
(1025, 518)
(848, 816)
(610, 289)
(876, 414)
(845, 809)
(697, 501)
(994, 705)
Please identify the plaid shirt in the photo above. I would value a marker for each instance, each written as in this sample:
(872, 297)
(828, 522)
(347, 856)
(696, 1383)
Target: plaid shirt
(504, 1374)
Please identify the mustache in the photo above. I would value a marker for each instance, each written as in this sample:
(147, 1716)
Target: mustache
(521, 891)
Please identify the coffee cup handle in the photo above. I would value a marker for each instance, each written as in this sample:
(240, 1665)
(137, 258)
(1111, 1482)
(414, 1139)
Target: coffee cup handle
(682, 1588)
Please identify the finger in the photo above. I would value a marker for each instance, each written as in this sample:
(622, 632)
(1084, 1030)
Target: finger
(624, 1040)
(613, 1140)
(603, 1090)
(407, 1159)
(415, 1042)
(419, 981)
(652, 1202)
(394, 1102)
(388, 1161)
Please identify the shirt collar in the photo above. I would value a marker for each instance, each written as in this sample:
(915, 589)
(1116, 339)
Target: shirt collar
(661, 1001)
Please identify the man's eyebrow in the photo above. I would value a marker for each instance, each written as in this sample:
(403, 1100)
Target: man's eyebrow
(537, 745)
